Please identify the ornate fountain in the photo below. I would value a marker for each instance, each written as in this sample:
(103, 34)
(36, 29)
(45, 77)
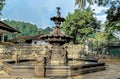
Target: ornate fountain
(57, 53)
(58, 63)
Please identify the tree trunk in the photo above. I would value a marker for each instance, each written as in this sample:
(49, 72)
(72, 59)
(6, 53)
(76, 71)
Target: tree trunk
(74, 40)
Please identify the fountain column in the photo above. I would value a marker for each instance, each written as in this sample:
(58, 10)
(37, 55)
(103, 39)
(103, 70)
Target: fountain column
(56, 57)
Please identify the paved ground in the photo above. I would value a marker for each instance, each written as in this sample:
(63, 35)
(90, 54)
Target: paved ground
(112, 72)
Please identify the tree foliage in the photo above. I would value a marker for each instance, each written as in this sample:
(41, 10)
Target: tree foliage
(2, 3)
(101, 37)
(113, 18)
(26, 29)
(45, 31)
(80, 24)
(82, 3)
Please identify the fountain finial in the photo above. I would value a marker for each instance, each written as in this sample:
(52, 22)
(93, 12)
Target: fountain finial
(58, 19)
(58, 12)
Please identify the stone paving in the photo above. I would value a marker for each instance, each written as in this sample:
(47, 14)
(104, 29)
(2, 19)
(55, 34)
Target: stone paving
(112, 72)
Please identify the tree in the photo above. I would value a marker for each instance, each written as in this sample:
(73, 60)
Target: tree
(26, 28)
(113, 18)
(46, 30)
(80, 24)
(82, 3)
(2, 3)
(101, 38)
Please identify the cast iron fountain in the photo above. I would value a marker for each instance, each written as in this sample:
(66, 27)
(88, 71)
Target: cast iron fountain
(56, 62)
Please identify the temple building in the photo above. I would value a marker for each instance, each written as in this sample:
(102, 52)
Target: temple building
(6, 29)
(36, 40)
(31, 40)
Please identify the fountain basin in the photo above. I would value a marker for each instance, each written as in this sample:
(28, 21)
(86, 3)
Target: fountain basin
(65, 71)
(12, 69)
(26, 68)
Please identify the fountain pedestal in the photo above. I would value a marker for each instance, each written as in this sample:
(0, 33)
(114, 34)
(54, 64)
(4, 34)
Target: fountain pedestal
(58, 55)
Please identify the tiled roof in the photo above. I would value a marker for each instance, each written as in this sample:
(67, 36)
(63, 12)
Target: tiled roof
(6, 28)
(17, 39)
(37, 37)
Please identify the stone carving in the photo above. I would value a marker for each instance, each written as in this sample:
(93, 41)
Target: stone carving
(40, 59)
(48, 55)
(64, 55)
(86, 47)
(15, 57)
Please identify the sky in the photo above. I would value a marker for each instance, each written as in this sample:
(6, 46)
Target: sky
(39, 12)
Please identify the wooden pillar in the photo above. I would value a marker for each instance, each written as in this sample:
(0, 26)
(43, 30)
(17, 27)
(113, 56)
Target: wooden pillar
(2, 38)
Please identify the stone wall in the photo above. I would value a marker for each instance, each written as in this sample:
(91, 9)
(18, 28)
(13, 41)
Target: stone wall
(24, 51)
(75, 50)
(5, 51)
(30, 51)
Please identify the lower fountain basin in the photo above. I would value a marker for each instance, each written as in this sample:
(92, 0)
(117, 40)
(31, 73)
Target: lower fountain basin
(75, 69)
(19, 69)
(26, 68)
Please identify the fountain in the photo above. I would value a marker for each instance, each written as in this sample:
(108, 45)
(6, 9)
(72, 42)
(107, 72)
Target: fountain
(58, 55)
(57, 38)
(56, 62)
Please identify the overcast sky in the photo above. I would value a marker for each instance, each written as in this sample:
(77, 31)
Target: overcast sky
(39, 11)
